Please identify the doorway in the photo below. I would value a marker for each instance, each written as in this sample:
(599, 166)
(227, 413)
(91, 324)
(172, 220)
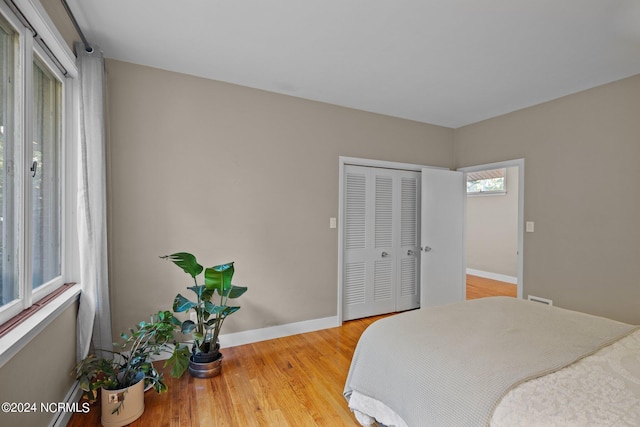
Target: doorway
(494, 232)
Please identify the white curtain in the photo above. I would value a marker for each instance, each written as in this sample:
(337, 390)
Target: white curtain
(94, 318)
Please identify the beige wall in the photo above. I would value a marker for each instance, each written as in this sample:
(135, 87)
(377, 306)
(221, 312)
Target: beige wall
(236, 174)
(582, 166)
(492, 230)
(41, 371)
(261, 177)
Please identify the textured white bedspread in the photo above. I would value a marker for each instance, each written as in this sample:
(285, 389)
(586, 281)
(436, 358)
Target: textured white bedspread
(451, 365)
(599, 390)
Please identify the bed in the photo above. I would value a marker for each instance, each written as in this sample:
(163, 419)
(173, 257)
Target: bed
(496, 361)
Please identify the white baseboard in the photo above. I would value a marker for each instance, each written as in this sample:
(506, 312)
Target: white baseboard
(61, 419)
(493, 276)
(272, 332)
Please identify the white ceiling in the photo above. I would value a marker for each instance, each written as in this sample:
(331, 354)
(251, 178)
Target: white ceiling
(445, 62)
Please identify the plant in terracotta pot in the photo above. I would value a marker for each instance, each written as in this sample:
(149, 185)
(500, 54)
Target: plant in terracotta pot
(210, 307)
(125, 373)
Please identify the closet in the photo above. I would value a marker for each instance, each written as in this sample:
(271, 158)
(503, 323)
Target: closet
(381, 219)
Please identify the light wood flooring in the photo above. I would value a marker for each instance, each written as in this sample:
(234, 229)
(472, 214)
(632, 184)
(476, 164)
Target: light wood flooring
(291, 381)
(479, 287)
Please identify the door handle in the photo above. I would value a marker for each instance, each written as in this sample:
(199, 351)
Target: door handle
(410, 252)
(427, 249)
(384, 254)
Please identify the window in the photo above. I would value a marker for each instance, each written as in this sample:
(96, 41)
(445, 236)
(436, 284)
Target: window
(32, 174)
(46, 185)
(487, 182)
(8, 188)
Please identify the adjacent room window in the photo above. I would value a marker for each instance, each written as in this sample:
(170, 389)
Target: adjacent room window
(31, 174)
(487, 182)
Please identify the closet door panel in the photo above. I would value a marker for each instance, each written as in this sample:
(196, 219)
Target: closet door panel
(408, 289)
(382, 257)
(355, 273)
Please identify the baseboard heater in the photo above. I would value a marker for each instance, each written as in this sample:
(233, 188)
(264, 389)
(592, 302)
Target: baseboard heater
(540, 300)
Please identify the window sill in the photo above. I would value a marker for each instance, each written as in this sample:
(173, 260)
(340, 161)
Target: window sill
(19, 336)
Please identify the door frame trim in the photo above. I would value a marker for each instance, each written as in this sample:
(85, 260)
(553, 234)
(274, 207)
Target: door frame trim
(356, 161)
(519, 163)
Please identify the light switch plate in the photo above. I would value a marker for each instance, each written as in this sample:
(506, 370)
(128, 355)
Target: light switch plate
(333, 223)
(529, 227)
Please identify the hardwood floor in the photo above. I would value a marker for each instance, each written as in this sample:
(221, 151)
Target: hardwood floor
(291, 381)
(480, 287)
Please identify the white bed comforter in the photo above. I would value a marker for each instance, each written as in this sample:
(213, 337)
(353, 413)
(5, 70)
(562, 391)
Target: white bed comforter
(422, 383)
(600, 390)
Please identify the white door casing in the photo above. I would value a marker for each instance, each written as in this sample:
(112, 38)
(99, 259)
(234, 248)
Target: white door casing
(442, 237)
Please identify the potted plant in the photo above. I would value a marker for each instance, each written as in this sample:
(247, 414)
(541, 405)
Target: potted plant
(127, 372)
(210, 309)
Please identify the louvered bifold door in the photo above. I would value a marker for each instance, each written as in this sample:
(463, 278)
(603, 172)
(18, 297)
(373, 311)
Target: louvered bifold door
(355, 241)
(384, 236)
(369, 273)
(408, 273)
(381, 241)
(359, 243)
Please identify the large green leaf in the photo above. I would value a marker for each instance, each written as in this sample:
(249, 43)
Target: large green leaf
(213, 309)
(187, 326)
(236, 291)
(201, 291)
(181, 304)
(231, 310)
(179, 360)
(185, 261)
(219, 277)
